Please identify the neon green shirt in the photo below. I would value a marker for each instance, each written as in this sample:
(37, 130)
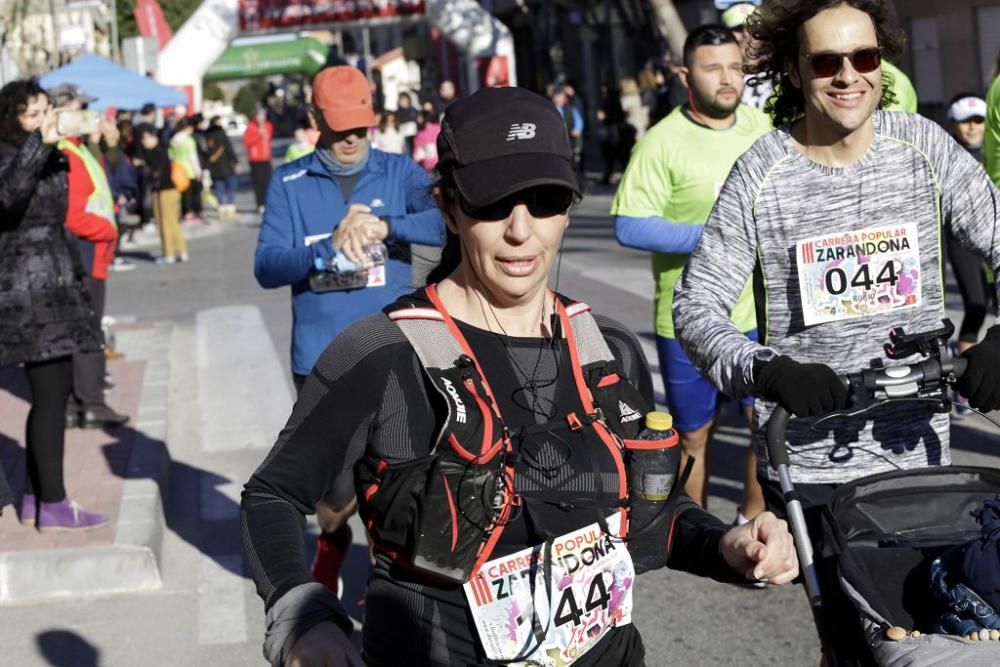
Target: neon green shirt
(675, 173)
(184, 149)
(297, 150)
(906, 94)
(991, 143)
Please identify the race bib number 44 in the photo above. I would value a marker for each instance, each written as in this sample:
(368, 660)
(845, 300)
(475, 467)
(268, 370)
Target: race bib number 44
(590, 593)
(858, 273)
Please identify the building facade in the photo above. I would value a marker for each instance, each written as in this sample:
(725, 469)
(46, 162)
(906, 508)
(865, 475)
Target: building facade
(953, 47)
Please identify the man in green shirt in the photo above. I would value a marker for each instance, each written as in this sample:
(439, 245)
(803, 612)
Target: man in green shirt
(662, 203)
(902, 87)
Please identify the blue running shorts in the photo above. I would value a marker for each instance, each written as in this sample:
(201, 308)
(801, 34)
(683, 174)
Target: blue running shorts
(691, 398)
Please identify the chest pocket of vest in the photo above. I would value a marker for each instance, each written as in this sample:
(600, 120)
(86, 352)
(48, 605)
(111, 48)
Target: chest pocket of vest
(435, 512)
(623, 406)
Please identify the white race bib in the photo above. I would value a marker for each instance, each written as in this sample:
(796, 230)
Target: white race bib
(376, 276)
(590, 594)
(856, 273)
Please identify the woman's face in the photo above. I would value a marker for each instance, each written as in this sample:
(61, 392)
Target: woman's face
(970, 133)
(34, 112)
(508, 248)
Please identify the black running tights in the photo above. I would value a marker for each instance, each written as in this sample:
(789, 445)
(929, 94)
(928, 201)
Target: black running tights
(51, 382)
(977, 293)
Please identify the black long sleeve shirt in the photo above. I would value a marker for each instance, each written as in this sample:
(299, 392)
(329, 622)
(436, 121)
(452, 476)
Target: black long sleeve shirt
(368, 398)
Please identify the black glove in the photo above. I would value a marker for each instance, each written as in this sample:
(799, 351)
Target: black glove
(805, 390)
(981, 381)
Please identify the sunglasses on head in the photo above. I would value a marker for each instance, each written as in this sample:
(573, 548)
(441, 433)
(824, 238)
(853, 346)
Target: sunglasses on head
(542, 201)
(863, 61)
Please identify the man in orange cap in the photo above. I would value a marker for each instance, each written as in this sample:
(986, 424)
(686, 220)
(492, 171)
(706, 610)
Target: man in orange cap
(325, 214)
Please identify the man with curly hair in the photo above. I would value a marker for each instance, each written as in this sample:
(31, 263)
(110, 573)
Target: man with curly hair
(837, 215)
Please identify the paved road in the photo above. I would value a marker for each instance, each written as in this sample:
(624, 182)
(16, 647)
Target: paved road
(207, 612)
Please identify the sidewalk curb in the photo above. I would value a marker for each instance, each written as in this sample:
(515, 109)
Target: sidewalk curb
(212, 227)
(132, 562)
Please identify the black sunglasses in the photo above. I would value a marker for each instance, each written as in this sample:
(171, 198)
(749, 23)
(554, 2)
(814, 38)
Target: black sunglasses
(863, 61)
(543, 201)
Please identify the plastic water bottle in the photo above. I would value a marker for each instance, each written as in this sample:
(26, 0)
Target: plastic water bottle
(654, 463)
(376, 253)
(341, 273)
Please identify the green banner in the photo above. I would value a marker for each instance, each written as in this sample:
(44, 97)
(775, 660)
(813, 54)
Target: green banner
(305, 55)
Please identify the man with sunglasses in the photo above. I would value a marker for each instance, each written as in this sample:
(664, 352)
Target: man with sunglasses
(665, 196)
(326, 207)
(837, 216)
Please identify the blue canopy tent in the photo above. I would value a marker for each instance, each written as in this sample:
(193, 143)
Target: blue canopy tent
(112, 84)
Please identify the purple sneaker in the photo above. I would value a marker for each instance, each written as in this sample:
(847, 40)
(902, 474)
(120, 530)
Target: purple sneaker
(28, 508)
(66, 515)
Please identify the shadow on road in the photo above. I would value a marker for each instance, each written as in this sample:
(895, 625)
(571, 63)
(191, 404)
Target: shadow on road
(15, 382)
(65, 648)
(196, 510)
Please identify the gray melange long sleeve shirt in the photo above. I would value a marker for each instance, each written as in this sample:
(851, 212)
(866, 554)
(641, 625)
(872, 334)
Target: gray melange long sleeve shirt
(844, 255)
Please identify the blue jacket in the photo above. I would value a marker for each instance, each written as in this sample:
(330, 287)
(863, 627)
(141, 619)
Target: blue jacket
(121, 177)
(303, 200)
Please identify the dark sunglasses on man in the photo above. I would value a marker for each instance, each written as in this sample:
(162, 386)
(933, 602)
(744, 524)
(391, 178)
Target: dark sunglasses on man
(825, 65)
(543, 201)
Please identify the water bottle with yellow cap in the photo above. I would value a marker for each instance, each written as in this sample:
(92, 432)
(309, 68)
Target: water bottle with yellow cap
(654, 463)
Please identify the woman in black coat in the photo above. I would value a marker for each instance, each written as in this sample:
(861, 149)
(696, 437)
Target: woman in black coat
(45, 311)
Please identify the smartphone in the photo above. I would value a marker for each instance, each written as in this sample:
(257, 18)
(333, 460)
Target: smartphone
(77, 123)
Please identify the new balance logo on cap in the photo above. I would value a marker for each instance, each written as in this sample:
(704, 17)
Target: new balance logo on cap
(627, 414)
(521, 131)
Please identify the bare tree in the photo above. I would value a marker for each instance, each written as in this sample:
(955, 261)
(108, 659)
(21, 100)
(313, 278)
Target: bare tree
(670, 24)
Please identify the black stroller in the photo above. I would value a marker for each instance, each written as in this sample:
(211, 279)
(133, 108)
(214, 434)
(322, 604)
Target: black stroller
(878, 535)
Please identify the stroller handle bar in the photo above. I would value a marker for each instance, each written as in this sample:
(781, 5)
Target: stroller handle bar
(916, 381)
(924, 381)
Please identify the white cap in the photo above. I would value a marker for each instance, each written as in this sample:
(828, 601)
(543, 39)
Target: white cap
(737, 15)
(966, 108)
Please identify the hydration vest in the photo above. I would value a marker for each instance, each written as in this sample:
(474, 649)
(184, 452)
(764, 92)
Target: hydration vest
(443, 514)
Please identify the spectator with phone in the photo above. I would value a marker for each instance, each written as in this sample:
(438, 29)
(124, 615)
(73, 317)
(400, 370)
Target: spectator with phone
(45, 311)
(90, 217)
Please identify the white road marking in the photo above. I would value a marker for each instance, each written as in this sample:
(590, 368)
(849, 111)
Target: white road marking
(221, 600)
(243, 392)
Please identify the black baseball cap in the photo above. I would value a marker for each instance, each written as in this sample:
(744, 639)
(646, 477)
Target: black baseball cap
(499, 141)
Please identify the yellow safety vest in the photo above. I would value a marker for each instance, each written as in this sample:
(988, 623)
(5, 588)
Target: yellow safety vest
(101, 202)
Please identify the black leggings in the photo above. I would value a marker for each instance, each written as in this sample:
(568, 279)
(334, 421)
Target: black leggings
(51, 382)
(978, 296)
(191, 199)
(260, 176)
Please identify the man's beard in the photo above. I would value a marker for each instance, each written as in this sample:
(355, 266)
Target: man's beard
(713, 109)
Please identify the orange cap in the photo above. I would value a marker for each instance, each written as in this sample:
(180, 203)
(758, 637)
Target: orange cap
(343, 95)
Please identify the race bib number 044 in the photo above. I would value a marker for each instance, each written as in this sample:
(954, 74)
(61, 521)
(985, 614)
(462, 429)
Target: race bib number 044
(858, 273)
(517, 619)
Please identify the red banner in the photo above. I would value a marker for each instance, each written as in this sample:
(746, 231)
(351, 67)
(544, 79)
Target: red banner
(149, 17)
(263, 14)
